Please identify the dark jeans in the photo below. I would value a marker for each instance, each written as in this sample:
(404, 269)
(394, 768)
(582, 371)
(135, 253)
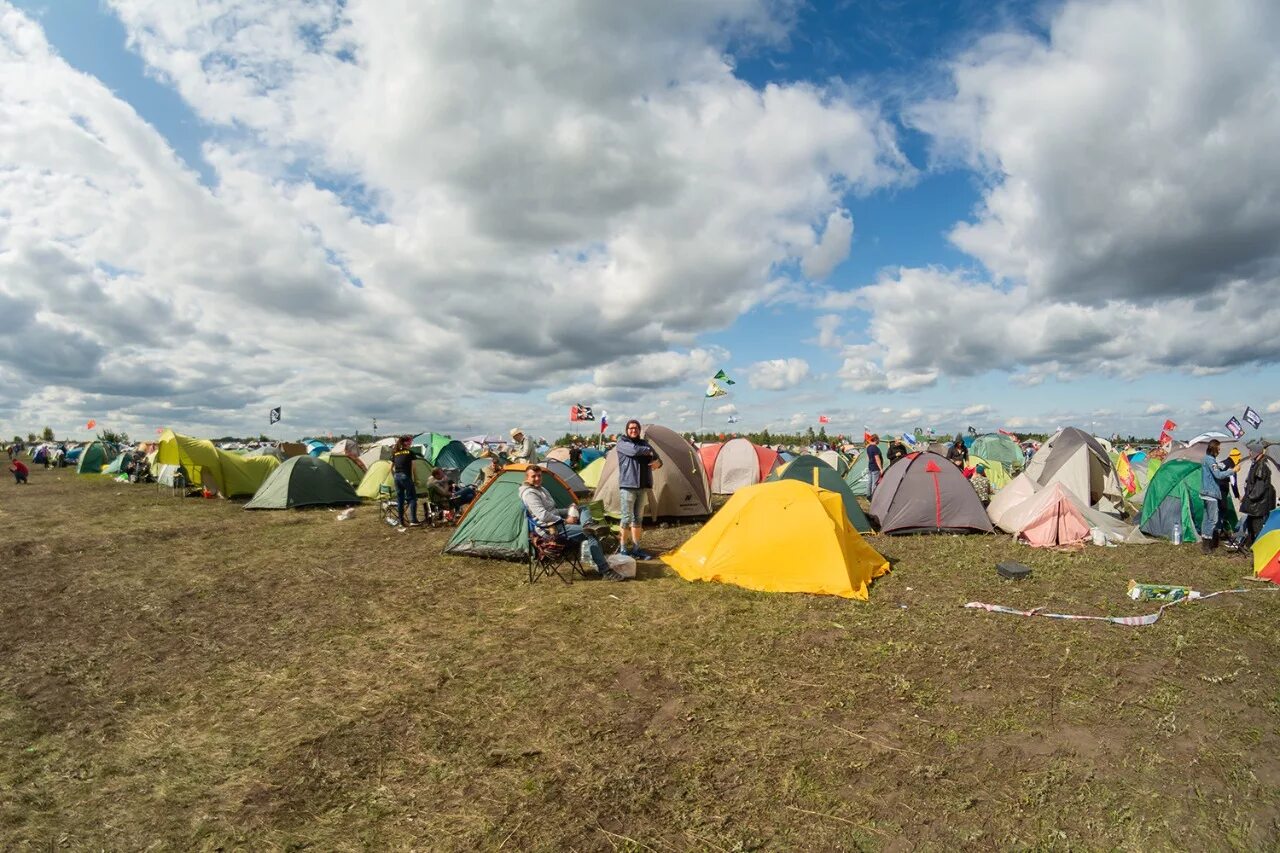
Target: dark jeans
(406, 492)
(19, 477)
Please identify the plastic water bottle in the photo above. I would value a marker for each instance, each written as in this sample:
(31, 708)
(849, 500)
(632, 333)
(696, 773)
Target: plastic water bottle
(584, 553)
(1177, 533)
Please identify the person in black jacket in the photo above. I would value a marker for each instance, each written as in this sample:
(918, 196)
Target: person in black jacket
(1259, 496)
(897, 450)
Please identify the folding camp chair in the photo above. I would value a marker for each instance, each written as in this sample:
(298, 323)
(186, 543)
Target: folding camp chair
(551, 553)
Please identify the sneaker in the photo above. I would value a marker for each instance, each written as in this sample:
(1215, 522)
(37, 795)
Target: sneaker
(611, 575)
(641, 555)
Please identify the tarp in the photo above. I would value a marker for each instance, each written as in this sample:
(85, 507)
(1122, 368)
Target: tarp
(816, 472)
(227, 474)
(304, 481)
(1173, 496)
(379, 474)
(924, 493)
(1266, 549)
(680, 488)
(494, 525)
(781, 536)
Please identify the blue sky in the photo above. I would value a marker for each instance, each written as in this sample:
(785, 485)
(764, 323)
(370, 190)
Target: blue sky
(466, 219)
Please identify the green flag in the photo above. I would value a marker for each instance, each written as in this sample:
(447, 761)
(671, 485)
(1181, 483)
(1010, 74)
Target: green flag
(723, 377)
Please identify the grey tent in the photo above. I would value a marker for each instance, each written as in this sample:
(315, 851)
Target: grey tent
(303, 481)
(924, 493)
(680, 487)
(565, 473)
(1080, 462)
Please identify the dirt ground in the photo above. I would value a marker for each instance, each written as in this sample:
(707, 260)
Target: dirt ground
(182, 674)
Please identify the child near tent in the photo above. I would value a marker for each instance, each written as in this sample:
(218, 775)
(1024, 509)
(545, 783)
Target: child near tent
(19, 471)
(981, 484)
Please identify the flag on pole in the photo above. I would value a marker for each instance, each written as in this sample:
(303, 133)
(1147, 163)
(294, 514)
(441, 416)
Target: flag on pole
(604, 421)
(585, 413)
(91, 424)
(1254, 419)
(1169, 426)
(909, 438)
(866, 435)
(714, 390)
(823, 419)
(573, 413)
(733, 419)
(724, 377)
(1165, 439)
(1233, 426)
(972, 431)
(275, 415)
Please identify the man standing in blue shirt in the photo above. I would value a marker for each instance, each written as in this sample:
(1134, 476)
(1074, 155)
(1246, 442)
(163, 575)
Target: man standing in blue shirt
(1212, 476)
(637, 461)
(875, 464)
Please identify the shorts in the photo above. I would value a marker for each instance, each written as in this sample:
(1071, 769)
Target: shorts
(633, 501)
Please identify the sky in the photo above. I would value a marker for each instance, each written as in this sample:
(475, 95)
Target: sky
(467, 215)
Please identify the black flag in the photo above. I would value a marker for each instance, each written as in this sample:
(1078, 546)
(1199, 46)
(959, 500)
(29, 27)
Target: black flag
(585, 413)
(275, 414)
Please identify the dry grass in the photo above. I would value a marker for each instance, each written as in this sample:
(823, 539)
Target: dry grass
(181, 674)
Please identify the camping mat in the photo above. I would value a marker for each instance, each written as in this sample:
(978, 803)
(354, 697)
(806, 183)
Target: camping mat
(1148, 619)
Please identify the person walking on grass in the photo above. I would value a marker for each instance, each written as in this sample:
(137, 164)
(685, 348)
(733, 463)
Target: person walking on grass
(637, 460)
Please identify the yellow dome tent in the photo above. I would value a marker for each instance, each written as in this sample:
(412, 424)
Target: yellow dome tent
(591, 474)
(782, 536)
(380, 474)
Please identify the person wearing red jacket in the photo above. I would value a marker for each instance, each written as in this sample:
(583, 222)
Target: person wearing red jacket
(19, 471)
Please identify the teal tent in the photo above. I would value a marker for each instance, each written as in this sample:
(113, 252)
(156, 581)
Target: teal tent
(303, 481)
(998, 448)
(442, 451)
(856, 477)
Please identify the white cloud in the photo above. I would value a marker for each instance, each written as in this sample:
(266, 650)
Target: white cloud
(778, 373)
(827, 326)
(832, 249)
(916, 334)
(1208, 407)
(977, 409)
(1131, 155)
(473, 170)
(1158, 409)
(1273, 408)
(726, 409)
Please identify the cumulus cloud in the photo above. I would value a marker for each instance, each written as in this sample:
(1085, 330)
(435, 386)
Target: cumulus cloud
(916, 336)
(1274, 408)
(828, 326)
(977, 409)
(832, 249)
(1159, 409)
(1131, 153)
(1208, 407)
(777, 374)
(396, 184)
(726, 409)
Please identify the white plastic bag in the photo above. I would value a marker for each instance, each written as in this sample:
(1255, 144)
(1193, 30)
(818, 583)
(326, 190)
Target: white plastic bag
(622, 564)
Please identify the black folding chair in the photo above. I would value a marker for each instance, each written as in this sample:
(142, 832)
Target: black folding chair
(551, 552)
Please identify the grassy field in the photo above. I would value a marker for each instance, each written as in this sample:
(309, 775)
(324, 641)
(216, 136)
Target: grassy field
(181, 674)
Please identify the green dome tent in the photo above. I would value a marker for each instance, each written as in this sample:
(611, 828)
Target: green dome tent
(1173, 496)
(303, 481)
(494, 524)
(442, 451)
(94, 458)
(346, 466)
(998, 448)
(812, 470)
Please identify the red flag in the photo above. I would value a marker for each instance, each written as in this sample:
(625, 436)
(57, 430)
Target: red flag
(823, 419)
(91, 424)
(1006, 432)
(573, 413)
(1169, 426)
(1165, 438)
(866, 435)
